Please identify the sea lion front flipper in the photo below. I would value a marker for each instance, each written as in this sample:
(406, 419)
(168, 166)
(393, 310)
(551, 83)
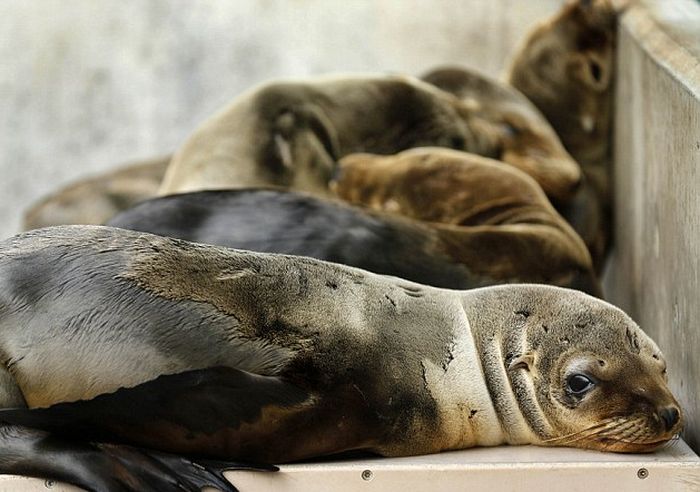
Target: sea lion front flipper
(107, 467)
(167, 411)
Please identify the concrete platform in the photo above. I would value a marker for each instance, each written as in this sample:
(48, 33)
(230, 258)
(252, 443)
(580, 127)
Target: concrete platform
(508, 468)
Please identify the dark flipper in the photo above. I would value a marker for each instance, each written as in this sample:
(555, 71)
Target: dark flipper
(163, 413)
(108, 467)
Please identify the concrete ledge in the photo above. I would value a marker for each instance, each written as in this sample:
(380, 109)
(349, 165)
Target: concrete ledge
(673, 469)
(655, 270)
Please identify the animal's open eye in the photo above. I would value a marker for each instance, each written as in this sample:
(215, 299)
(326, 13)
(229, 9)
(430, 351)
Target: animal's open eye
(579, 384)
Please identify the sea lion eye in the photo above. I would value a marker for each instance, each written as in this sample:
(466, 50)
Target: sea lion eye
(578, 384)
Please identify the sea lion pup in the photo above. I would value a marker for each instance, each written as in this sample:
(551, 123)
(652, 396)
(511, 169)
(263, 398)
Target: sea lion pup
(291, 134)
(504, 213)
(275, 221)
(96, 199)
(527, 138)
(565, 67)
(112, 337)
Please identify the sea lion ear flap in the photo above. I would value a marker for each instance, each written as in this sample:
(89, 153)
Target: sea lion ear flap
(524, 361)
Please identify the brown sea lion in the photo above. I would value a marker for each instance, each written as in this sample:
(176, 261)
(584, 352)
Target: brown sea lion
(113, 339)
(95, 199)
(566, 68)
(291, 134)
(490, 213)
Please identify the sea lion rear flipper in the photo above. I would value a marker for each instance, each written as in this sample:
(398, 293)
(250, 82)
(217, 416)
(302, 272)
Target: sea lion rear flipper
(107, 467)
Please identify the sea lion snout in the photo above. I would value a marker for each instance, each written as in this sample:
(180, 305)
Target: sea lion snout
(670, 416)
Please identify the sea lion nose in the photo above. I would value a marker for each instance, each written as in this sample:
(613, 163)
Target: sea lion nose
(669, 416)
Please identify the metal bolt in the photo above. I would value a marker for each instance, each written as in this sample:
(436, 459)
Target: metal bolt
(367, 475)
(642, 473)
(49, 483)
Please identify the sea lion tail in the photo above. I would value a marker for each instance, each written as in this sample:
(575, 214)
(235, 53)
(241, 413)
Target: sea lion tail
(108, 467)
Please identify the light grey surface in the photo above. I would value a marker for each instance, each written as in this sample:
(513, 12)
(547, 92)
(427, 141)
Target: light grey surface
(500, 469)
(85, 85)
(655, 272)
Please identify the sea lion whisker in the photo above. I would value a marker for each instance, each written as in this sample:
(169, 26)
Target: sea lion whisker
(590, 429)
(624, 427)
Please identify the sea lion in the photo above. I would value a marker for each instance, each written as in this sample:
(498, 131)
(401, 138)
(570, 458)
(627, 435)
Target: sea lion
(276, 221)
(125, 338)
(504, 211)
(291, 133)
(95, 199)
(566, 68)
(528, 138)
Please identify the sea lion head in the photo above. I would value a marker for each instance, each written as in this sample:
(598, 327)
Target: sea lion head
(596, 380)
(518, 131)
(565, 67)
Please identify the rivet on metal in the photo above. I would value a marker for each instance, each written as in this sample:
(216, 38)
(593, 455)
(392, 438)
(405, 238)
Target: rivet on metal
(367, 475)
(642, 473)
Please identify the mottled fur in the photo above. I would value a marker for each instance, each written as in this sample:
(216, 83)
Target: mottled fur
(342, 359)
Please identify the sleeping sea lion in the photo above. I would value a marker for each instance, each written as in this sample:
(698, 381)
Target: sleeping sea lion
(121, 347)
(528, 138)
(95, 199)
(291, 134)
(276, 221)
(566, 68)
(511, 223)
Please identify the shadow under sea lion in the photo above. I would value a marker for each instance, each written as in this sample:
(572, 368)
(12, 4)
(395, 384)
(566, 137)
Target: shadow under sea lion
(122, 347)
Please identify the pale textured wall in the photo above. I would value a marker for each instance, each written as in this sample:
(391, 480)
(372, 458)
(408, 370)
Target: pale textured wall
(655, 272)
(87, 84)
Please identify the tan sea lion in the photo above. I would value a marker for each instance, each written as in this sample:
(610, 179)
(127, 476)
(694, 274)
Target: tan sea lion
(490, 213)
(291, 134)
(528, 138)
(129, 339)
(566, 68)
(95, 199)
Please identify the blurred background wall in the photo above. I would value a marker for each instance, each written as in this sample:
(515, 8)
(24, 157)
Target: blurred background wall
(87, 85)
(654, 273)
